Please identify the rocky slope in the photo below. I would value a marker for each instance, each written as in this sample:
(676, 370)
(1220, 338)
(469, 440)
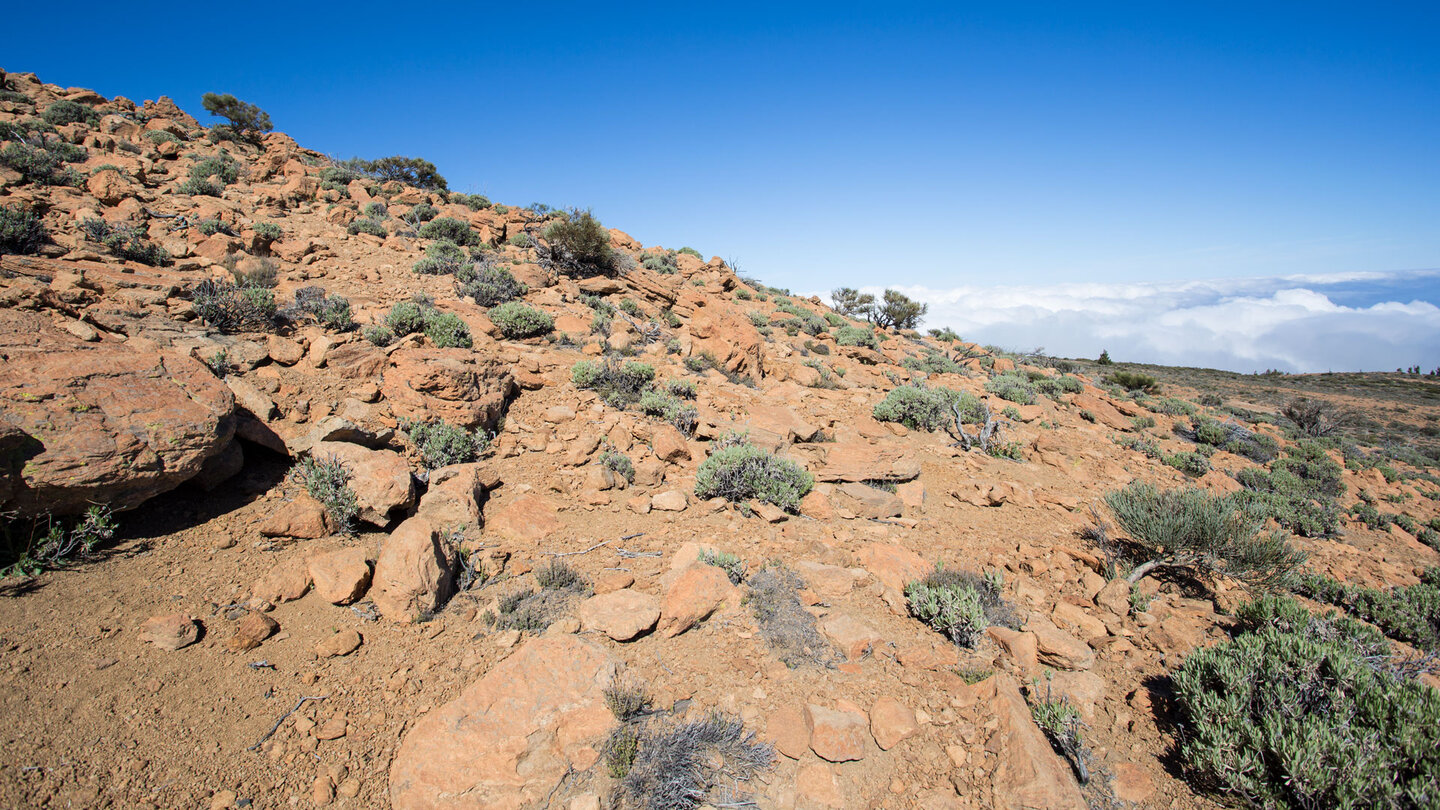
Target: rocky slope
(153, 675)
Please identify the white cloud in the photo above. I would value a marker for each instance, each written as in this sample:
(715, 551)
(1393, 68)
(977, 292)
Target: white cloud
(1292, 323)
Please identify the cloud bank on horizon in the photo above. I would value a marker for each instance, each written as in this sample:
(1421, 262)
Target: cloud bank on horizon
(1314, 323)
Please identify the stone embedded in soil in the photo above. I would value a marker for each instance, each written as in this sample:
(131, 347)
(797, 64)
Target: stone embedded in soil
(1028, 773)
(250, 631)
(836, 736)
(342, 643)
(528, 518)
(894, 565)
(670, 501)
(1132, 783)
(621, 614)
(670, 445)
(692, 597)
(415, 572)
(1021, 647)
(786, 730)
(892, 722)
(1059, 649)
(512, 735)
(1115, 597)
(284, 582)
(302, 517)
(854, 638)
(816, 787)
(170, 632)
(340, 577)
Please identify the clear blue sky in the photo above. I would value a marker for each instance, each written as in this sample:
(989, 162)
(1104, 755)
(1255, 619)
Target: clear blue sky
(828, 144)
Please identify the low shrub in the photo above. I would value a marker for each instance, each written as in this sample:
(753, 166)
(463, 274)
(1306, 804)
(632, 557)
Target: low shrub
(933, 362)
(785, 625)
(333, 311)
(367, 225)
(450, 229)
(1012, 386)
(700, 362)
(855, 336)
(1192, 464)
(959, 605)
(51, 542)
(22, 230)
(620, 386)
(441, 258)
(45, 164)
(921, 408)
(745, 472)
(70, 112)
(618, 463)
(732, 565)
(379, 334)
(1134, 381)
(517, 320)
(578, 244)
(1172, 406)
(328, 481)
(670, 408)
(693, 764)
(446, 330)
(488, 284)
(1208, 535)
(1283, 719)
(231, 307)
(442, 444)
(1407, 613)
(684, 389)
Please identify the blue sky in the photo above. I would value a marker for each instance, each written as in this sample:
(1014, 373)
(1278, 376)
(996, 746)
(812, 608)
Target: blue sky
(938, 146)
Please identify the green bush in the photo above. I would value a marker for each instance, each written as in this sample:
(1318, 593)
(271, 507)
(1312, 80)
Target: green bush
(1012, 386)
(70, 112)
(691, 252)
(855, 336)
(423, 212)
(701, 362)
(405, 318)
(475, 202)
(959, 605)
(1172, 406)
(670, 408)
(441, 444)
(332, 311)
(126, 241)
(446, 330)
(620, 386)
(266, 232)
(159, 136)
(400, 169)
(246, 119)
(1192, 464)
(1409, 613)
(517, 320)
(328, 481)
(1282, 719)
(579, 245)
(920, 408)
(618, 463)
(22, 230)
(744, 472)
(232, 308)
(450, 229)
(1134, 381)
(52, 542)
(488, 284)
(199, 187)
(441, 258)
(731, 564)
(685, 389)
(1298, 491)
(1188, 528)
(222, 166)
(367, 225)
(43, 165)
(933, 362)
(380, 334)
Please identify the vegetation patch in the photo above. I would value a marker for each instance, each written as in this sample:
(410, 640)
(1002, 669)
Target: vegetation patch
(441, 444)
(959, 604)
(328, 482)
(745, 472)
(517, 320)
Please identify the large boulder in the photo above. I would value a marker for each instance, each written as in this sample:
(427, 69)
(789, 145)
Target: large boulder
(415, 572)
(511, 736)
(380, 479)
(456, 385)
(98, 422)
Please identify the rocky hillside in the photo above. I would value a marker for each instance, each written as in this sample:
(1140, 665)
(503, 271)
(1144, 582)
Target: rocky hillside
(424, 501)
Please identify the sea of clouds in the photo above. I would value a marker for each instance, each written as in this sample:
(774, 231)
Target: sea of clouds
(1341, 322)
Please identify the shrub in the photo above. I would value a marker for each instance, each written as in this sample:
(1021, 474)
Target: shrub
(70, 112)
(231, 308)
(333, 311)
(423, 212)
(732, 565)
(700, 363)
(379, 335)
(488, 284)
(1298, 491)
(618, 463)
(580, 245)
(516, 320)
(442, 444)
(684, 389)
(897, 311)
(1062, 726)
(1312, 418)
(52, 542)
(446, 330)
(367, 225)
(855, 336)
(246, 119)
(671, 409)
(405, 318)
(1012, 386)
(745, 472)
(1172, 406)
(920, 408)
(199, 187)
(1281, 719)
(43, 165)
(696, 763)
(400, 169)
(560, 587)
(266, 233)
(222, 166)
(784, 623)
(1409, 613)
(619, 386)
(159, 136)
(959, 605)
(474, 202)
(376, 210)
(1134, 381)
(1188, 528)
(441, 258)
(933, 362)
(450, 229)
(1192, 464)
(328, 482)
(22, 230)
